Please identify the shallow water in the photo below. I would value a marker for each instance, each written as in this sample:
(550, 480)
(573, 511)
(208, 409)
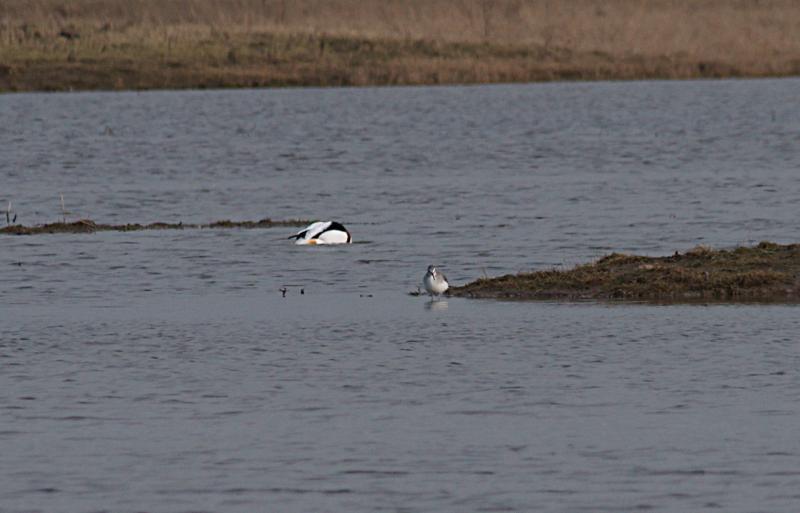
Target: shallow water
(163, 371)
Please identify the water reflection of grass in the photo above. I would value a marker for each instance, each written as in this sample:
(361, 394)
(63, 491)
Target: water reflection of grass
(767, 272)
(89, 44)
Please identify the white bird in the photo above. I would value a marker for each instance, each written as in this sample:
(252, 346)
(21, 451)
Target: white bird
(435, 282)
(323, 232)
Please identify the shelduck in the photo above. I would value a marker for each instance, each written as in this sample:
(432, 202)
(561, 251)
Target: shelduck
(323, 232)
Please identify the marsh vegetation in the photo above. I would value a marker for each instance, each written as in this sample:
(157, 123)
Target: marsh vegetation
(89, 226)
(145, 44)
(766, 272)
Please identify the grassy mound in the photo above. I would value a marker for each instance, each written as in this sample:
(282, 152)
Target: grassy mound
(767, 272)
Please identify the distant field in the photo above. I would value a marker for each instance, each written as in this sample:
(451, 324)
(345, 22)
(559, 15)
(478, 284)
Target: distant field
(143, 44)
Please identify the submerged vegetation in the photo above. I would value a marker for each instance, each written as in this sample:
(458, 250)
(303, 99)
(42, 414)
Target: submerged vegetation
(89, 226)
(767, 272)
(146, 44)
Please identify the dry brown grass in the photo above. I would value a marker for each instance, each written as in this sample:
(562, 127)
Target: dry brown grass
(59, 44)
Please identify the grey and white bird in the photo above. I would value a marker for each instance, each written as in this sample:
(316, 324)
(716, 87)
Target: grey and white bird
(435, 281)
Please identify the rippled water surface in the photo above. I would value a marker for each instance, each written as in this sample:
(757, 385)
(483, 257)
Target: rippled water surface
(164, 371)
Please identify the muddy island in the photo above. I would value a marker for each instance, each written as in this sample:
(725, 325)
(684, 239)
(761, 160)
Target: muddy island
(89, 226)
(766, 272)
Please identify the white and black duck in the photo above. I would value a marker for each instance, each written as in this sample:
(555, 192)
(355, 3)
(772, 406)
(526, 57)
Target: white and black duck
(323, 232)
